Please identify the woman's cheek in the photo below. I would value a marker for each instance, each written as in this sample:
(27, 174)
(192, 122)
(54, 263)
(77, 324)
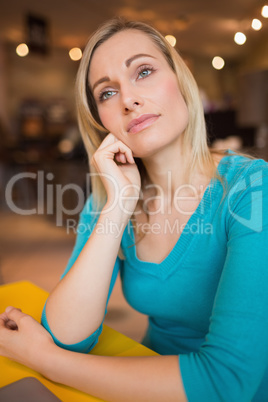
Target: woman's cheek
(171, 88)
(110, 122)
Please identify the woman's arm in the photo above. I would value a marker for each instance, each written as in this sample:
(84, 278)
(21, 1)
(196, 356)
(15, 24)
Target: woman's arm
(155, 378)
(233, 360)
(79, 300)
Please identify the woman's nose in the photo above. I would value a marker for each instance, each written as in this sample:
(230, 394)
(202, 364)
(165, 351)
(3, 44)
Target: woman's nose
(131, 100)
(131, 105)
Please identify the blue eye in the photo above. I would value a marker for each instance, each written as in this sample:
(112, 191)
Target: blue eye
(144, 72)
(106, 95)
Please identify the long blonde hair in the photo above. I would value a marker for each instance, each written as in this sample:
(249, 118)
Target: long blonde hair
(91, 128)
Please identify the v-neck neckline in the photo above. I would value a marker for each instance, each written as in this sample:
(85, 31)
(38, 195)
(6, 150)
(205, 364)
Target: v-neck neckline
(177, 253)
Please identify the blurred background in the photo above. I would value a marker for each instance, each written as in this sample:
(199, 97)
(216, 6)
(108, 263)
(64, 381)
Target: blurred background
(43, 165)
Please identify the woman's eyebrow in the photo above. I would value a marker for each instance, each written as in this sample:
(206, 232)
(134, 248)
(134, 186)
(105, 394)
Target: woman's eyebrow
(101, 80)
(136, 56)
(127, 63)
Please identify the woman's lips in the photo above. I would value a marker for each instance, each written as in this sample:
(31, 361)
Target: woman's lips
(141, 123)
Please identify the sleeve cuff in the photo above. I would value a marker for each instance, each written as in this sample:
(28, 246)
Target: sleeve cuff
(85, 346)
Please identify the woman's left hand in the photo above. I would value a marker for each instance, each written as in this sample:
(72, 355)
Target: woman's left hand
(23, 339)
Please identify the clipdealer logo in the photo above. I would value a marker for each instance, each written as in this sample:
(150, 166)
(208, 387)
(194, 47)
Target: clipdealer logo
(255, 220)
(49, 196)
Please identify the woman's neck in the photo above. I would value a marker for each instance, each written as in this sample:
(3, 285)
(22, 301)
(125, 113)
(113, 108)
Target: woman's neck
(169, 176)
(167, 170)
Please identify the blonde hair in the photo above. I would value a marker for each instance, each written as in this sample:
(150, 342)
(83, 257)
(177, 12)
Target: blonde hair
(92, 130)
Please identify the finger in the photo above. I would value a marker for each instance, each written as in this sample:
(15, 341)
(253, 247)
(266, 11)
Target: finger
(111, 139)
(108, 140)
(117, 158)
(14, 314)
(6, 322)
(109, 153)
(122, 158)
(2, 321)
(10, 324)
(9, 308)
(119, 147)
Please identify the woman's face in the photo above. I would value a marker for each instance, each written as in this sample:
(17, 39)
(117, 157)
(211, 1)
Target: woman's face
(137, 93)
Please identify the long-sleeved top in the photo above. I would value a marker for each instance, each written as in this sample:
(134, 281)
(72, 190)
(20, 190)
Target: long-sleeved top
(207, 301)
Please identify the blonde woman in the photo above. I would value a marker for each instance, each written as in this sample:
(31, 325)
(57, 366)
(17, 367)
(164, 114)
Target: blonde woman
(186, 228)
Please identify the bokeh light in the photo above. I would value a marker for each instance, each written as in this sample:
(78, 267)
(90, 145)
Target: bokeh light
(75, 53)
(240, 38)
(171, 39)
(22, 50)
(218, 62)
(256, 24)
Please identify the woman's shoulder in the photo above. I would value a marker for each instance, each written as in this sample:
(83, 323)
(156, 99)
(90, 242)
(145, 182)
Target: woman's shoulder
(233, 166)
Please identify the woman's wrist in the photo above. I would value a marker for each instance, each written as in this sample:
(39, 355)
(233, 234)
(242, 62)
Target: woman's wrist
(118, 212)
(47, 361)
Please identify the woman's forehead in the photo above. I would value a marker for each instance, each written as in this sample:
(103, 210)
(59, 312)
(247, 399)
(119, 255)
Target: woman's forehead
(127, 37)
(122, 46)
(127, 41)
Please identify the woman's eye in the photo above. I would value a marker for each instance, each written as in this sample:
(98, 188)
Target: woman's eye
(106, 95)
(144, 72)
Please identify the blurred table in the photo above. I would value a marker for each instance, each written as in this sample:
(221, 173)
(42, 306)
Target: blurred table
(30, 299)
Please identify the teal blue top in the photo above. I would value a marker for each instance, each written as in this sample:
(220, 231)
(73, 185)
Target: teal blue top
(207, 301)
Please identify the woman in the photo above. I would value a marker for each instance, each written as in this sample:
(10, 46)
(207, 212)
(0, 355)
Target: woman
(185, 227)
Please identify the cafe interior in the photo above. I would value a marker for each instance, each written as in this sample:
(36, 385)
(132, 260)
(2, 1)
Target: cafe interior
(44, 179)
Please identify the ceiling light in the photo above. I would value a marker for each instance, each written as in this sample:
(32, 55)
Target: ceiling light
(218, 62)
(256, 24)
(171, 39)
(240, 38)
(22, 50)
(75, 53)
(65, 146)
(264, 11)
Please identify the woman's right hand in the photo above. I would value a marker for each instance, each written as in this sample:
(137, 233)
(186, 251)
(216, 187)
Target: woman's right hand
(23, 339)
(118, 171)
